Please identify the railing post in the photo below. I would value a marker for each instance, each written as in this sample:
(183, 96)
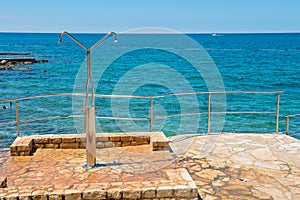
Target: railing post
(17, 119)
(277, 112)
(287, 125)
(151, 114)
(208, 114)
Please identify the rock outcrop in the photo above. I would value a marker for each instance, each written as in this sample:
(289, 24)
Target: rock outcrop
(10, 63)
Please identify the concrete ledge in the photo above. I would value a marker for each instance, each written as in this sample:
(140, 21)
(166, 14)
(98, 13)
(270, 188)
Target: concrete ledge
(25, 146)
(3, 182)
(179, 185)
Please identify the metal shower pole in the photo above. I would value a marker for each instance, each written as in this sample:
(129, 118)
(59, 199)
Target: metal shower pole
(89, 111)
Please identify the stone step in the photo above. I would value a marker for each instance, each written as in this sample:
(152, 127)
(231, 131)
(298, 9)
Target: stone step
(179, 185)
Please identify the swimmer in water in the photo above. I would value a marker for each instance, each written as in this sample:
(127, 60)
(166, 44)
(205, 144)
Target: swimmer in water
(5, 107)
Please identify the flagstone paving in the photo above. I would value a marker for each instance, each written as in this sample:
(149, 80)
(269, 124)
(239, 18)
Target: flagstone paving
(4, 154)
(226, 166)
(241, 166)
(64, 167)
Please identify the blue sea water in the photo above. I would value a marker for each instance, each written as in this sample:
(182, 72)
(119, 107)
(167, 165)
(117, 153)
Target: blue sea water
(249, 62)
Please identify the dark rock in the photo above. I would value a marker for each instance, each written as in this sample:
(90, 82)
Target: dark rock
(6, 68)
(14, 53)
(9, 63)
(41, 61)
(25, 68)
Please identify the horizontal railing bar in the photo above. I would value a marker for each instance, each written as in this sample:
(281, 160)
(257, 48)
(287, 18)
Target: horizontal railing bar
(41, 96)
(201, 113)
(245, 112)
(179, 115)
(218, 92)
(7, 123)
(133, 119)
(48, 118)
(122, 96)
(139, 97)
(293, 115)
(123, 118)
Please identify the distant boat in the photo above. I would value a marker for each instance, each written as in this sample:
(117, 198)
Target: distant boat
(214, 34)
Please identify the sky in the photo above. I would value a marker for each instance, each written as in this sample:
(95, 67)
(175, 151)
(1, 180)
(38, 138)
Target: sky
(188, 16)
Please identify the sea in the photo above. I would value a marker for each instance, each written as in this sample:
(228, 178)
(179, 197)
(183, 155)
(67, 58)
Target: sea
(157, 67)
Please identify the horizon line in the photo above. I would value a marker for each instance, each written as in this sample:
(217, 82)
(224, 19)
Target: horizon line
(192, 32)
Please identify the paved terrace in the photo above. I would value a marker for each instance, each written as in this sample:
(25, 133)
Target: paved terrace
(227, 166)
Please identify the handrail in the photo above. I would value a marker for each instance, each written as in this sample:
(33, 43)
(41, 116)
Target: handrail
(139, 97)
(151, 118)
(287, 122)
(293, 115)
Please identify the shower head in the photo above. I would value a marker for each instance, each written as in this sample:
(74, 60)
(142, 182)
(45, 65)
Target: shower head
(60, 37)
(114, 34)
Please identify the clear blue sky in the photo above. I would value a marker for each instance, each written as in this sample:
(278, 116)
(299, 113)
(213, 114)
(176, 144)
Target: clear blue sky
(121, 15)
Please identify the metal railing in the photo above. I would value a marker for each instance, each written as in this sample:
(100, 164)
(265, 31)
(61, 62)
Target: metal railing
(151, 99)
(287, 122)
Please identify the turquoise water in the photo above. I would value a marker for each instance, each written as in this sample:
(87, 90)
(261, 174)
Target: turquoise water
(256, 62)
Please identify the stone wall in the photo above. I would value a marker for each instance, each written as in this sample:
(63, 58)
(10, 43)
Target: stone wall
(25, 146)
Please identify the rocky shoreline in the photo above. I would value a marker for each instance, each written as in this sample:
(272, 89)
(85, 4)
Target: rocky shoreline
(11, 63)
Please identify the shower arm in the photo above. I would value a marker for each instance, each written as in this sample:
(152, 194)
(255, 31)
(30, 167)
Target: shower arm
(88, 51)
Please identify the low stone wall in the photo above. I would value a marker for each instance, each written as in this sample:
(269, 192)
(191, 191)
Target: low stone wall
(179, 185)
(25, 146)
(22, 146)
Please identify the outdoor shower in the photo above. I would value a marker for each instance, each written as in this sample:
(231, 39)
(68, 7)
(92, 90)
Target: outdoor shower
(89, 110)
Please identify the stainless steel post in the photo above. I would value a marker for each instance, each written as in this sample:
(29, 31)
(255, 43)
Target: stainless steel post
(287, 125)
(208, 114)
(17, 119)
(90, 137)
(277, 112)
(151, 114)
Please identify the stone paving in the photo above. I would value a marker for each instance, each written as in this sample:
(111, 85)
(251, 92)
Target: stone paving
(241, 166)
(226, 166)
(3, 156)
(132, 172)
